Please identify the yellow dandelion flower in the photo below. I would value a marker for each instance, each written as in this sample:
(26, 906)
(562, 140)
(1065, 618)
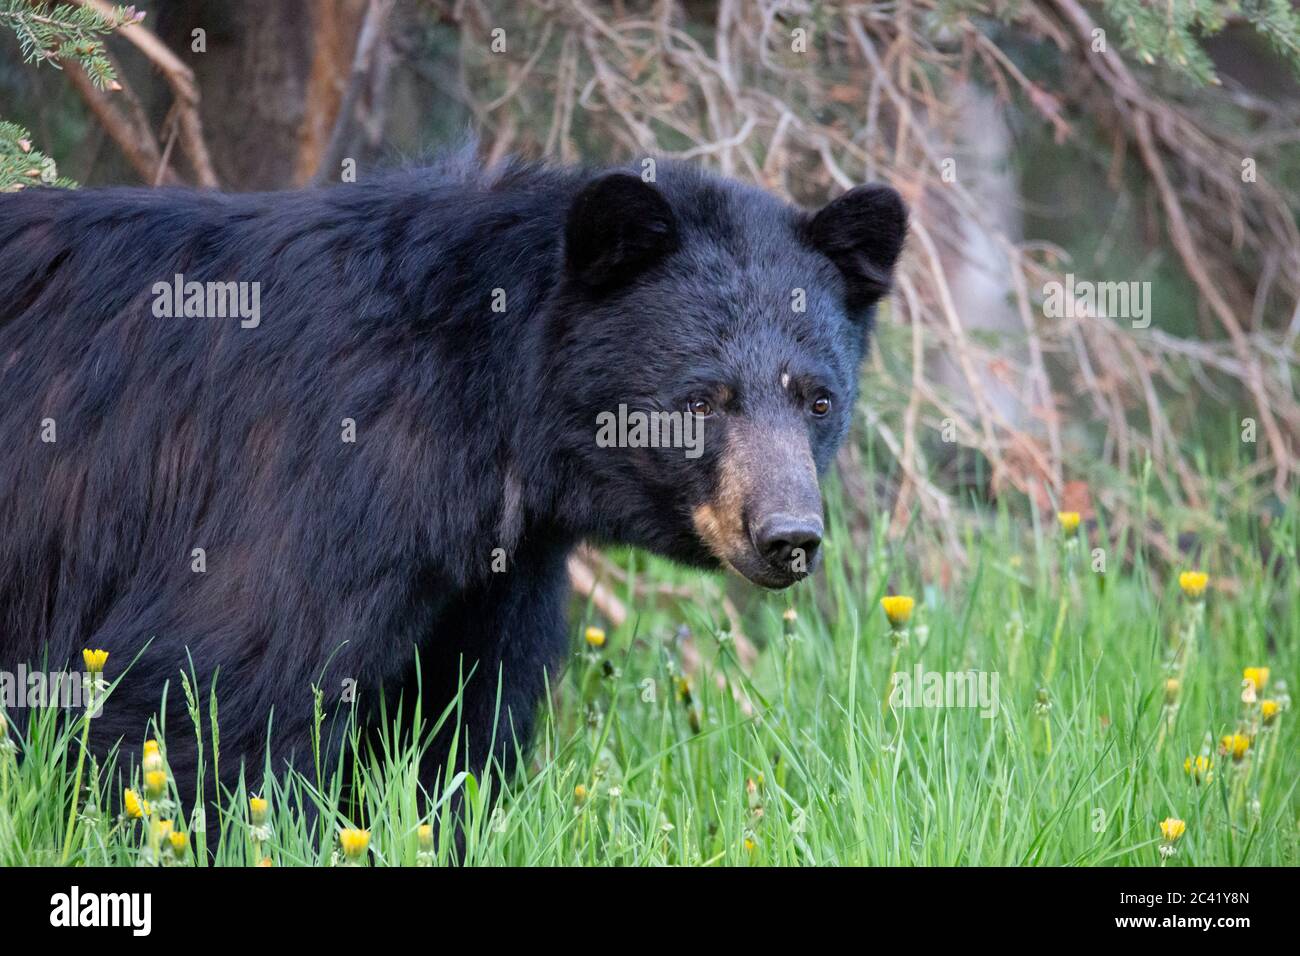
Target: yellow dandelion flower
(354, 842)
(595, 637)
(1171, 690)
(425, 835)
(749, 845)
(155, 783)
(151, 747)
(1198, 768)
(1193, 583)
(1069, 521)
(898, 608)
(134, 806)
(266, 861)
(1171, 828)
(180, 842)
(1235, 745)
(1257, 676)
(95, 660)
(1269, 709)
(257, 807)
(580, 793)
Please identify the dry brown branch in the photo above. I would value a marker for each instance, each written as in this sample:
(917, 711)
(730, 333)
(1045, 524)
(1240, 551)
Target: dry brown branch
(873, 99)
(181, 80)
(588, 566)
(585, 584)
(126, 125)
(1145, 116)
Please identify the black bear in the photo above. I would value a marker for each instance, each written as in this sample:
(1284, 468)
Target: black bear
(347, 437)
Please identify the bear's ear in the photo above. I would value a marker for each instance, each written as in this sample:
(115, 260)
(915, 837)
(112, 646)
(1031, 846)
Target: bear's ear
(862, 232)
(617, 226)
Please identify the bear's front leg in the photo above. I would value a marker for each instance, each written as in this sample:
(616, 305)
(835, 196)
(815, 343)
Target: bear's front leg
(498, 644)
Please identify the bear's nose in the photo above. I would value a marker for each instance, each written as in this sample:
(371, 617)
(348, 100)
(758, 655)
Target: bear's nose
(789, 541)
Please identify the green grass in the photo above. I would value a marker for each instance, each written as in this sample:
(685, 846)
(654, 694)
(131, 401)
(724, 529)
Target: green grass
(794, 760)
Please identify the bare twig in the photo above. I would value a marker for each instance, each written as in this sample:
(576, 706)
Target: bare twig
(127, 127)
(181, 80)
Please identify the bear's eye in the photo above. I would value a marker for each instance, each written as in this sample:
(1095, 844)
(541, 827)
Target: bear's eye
(699, 406)
(821, 406)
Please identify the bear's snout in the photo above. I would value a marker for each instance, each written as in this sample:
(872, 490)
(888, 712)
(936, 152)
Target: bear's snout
(787, 541)
(764, 520)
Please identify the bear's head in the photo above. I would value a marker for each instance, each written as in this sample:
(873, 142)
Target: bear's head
(705, 345)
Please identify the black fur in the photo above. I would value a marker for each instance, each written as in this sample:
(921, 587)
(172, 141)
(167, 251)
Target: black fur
(329, 561)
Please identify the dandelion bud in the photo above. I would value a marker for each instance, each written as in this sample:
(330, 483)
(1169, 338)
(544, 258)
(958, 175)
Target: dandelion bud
(94, 660)
(898, 608)
(1234, 745)
(1193, 584)
(354, 843)
(787, 621)
(684, 691)
(135, 808)
(1268, 710)
(1198, 768)
(595, 637)
(1171, 690)
(580, 794)
(1069, 521)
(155, 784)
(1042, 702)
(1171, 828)
(180, 842)
(425, 835)
(1257, 676)
(257, 807)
